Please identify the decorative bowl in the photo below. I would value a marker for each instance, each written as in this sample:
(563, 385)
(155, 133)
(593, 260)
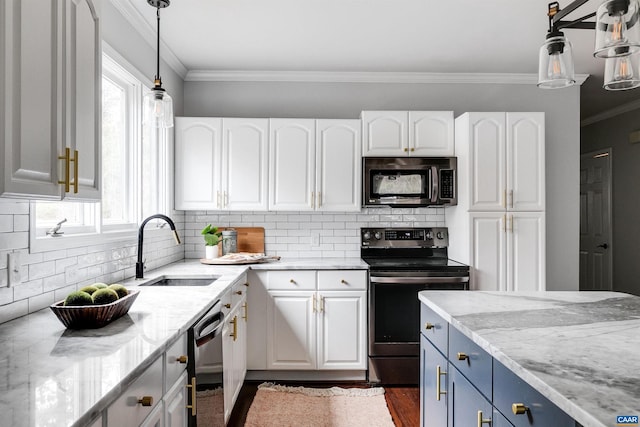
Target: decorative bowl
(93, 316)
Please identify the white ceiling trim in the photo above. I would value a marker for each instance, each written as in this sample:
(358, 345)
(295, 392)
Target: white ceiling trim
(148, 33)
(363, 77)
(621, 109)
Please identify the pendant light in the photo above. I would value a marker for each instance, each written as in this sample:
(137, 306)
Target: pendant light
(617, 26)
(157, 104)
(622, 72)
(555, 62)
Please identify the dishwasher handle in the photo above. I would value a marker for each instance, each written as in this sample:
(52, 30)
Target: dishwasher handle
(419, 280)
(203, 337)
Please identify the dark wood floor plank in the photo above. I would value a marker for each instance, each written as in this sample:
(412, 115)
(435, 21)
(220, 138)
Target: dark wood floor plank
(403, 402)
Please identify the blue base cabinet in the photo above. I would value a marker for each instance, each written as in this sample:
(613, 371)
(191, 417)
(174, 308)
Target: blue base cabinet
(461, 385)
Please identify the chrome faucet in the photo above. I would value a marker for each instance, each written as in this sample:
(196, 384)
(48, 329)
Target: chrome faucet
(140, 264)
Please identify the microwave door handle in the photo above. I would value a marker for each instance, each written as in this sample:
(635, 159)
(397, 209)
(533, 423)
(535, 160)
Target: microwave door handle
(434, 186)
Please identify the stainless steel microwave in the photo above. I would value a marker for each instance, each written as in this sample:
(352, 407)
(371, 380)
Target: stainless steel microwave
(409, 181)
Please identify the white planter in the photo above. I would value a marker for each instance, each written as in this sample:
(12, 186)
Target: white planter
(211, 252)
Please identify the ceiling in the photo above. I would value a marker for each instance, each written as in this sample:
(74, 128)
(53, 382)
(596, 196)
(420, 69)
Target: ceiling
(391, 36)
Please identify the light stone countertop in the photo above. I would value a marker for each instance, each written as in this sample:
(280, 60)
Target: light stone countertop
(579, 349)
(51, 376)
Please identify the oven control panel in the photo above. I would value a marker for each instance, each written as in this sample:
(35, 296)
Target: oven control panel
(435, 237)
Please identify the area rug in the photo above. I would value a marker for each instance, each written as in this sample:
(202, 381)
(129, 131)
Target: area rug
(282, 406)
(210, 408)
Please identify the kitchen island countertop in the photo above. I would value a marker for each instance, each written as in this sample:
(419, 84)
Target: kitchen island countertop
(579, 349)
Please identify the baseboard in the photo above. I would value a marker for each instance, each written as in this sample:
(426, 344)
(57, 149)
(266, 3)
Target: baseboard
(306, 376)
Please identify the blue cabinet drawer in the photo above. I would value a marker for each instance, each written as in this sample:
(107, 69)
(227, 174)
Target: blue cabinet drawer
(474, 363)
(433, 386)
(465, 403)
(434, 328)
(509, 390)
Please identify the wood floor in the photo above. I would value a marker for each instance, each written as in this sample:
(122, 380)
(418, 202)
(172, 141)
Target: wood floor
(403, 402)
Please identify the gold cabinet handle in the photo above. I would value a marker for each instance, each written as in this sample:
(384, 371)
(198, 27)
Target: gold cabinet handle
(146, 400)
(67, 166)
(218, 199)
(413, 149)
(510, 220)
(321, 304)
(439, 373)
(313, 307)
(344, 282)
(428, 326)
(192, 386)
(227, 306)
(482, 420)
(247, 284)
(511, 198)
(313, 200)
(234, 334)
(504, 198)
(226, 199)
(75, 170)
(319, 196)
(463, 356)
(292, 281)
(238, 292)
(504, 223)
(519, 408)
(246, 312)
(182, 359)
(406, 149)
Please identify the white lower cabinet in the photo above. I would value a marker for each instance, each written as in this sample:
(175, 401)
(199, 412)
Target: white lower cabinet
(234, 348)
(155, 418)
(315, 320)
(175, 402)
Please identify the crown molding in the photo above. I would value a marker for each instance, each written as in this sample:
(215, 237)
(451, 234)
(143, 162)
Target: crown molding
(363, 77)
(148, 33)
(621, 109)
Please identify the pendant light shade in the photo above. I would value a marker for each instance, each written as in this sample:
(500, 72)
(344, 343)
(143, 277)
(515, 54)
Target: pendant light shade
(555, 62)
(622, 72)
(157, 104)
(617, 26)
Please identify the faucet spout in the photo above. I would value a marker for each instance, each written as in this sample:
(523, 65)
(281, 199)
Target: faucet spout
(140, 263)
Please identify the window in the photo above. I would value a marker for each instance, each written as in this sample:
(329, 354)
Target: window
(135, 167)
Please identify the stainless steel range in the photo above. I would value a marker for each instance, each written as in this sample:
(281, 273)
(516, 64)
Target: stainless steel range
(403, 262)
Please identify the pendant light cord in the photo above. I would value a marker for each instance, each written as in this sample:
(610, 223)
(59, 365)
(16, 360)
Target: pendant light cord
(158, 46)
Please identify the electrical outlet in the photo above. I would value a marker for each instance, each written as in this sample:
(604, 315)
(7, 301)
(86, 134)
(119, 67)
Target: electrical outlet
(315, 239)
(13, 269)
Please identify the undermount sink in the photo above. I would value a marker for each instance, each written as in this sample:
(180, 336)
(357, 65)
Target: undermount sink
(180, 281)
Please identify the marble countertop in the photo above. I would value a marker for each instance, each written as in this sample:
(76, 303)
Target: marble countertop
(52, 376)
(579, 349)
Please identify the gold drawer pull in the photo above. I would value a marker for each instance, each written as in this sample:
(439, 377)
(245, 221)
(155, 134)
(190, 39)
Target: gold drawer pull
(234, 334)
(519, 408)
(482, 420)
(428, 325)
(227, 306)
(238, 292)
(247, 284)
(182, 359)
(292, 281)
(439, 373)
(463, 356)
(344, 282)
(146, 401)
(192, 386)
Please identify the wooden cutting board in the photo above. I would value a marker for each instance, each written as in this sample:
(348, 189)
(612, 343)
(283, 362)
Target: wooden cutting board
(250, 239)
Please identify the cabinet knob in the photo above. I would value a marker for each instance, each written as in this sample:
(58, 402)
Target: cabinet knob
(413, 149)
(406, 149)
(182, 359)
(292, 281)
(344, 282)
(247, 284)
(238, 292)
(462, 356)
(146, 400)
(482, 420)
(519, 408)
(227, 306)
(428, 325)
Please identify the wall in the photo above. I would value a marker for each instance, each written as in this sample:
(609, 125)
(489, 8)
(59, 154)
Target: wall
(347, 100)
(625, 158)
(49, 276)
(289, 234)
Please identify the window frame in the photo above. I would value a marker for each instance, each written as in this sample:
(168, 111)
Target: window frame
(116, 65)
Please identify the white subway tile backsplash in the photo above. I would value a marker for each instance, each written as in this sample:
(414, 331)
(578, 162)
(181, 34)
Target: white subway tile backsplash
(11, 311)
(38, 302)
(6, 223)
(28, 289)
(42, 269)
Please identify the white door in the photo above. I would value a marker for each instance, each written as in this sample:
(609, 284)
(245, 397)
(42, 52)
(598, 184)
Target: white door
(197, 164)
(487, 162)
(291, 330)
(175, 403)
(292, 164)
(84, 96)
(342, 330)
(595, 221)
(488, 251)
(31, 107)
(526, 251)
(257, 329)
(338, 165)
(245, 163)
(431, 133)
(384, 133)
(525, 162)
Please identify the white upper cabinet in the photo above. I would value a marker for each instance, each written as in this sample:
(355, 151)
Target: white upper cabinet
(244, 164)
(407, 133)
(292, 144)
(221, 164)
(338, 165)
(506, 161)
(197, 163)
(50, 87)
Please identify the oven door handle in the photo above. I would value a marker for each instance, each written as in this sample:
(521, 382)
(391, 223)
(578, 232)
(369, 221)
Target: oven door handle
(205, 323)
(418, 280)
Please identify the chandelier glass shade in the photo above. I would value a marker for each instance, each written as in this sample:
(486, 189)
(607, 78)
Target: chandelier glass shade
(555, 63)
(617, 26)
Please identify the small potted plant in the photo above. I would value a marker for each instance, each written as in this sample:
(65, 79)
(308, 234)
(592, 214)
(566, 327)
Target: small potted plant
(211, 239)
